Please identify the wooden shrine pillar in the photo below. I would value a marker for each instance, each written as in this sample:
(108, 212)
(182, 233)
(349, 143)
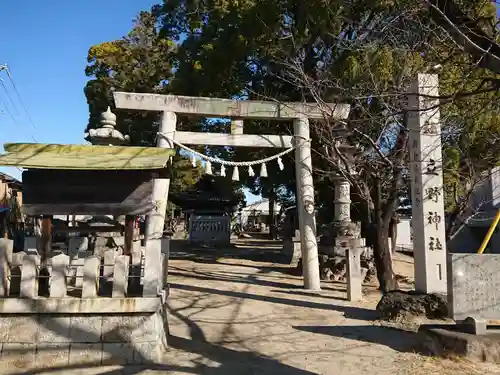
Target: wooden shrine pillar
(129, 234)
(46, 240)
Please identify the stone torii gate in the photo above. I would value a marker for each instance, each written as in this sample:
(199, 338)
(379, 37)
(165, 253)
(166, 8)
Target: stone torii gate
(237, 110)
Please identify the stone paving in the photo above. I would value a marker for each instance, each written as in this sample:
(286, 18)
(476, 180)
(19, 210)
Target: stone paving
(241, 316)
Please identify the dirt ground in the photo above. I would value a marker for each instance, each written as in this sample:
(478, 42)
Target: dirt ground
(242, 313)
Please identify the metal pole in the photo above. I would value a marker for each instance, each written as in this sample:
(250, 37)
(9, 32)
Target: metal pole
(493, 225)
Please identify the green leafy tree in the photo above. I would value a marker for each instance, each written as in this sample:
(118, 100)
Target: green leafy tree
(140, 62)
(364, 53)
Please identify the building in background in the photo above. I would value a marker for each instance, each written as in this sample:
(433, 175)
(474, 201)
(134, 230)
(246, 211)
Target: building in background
(256, 214)
(11, 217)
(484, 202)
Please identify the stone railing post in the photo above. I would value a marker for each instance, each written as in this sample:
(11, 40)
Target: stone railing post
(6, 250)
(91, 272)
(59, 273)
(120, 276)
(29, 276)
(152, 268)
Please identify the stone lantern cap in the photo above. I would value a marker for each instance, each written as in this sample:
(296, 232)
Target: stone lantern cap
(107, 134)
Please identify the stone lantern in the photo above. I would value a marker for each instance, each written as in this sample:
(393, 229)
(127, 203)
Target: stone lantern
(107, 135)
(342, 224)
(342, 203)
(344, 237)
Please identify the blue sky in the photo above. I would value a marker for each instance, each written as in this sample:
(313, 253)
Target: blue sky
(45, 45)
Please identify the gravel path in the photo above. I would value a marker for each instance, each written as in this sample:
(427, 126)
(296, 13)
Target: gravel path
(234, 316)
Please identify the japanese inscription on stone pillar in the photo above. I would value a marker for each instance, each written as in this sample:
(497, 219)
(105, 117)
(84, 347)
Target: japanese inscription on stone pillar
(427, 185)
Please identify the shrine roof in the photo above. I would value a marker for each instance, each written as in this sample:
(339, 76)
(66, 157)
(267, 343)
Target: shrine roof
(201, 201)
(84, 157)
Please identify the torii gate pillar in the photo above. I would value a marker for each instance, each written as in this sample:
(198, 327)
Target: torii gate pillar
(305, 205)
(156, 220)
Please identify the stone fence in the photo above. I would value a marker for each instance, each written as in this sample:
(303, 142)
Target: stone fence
(81, 275)
(210, 229)
(84, 308)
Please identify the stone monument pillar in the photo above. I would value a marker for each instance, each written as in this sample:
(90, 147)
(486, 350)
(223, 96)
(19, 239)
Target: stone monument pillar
(342, 201)
(429, 246)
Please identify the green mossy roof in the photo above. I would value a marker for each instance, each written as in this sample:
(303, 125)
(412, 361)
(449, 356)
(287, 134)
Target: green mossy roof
(84, 157)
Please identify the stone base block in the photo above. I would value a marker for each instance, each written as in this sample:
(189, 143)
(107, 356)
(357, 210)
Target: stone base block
(350, 242)
(448, 340)
(18, 356)
(50, 340)
(292, 251)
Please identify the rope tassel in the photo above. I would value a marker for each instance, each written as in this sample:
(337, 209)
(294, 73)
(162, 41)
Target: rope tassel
(236, 174)
(209, 159)
(263, 170)
(280, 164)
(208, 168)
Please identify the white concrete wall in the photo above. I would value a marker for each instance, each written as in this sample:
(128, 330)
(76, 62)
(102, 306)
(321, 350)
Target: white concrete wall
(404, 239)
(261, 207)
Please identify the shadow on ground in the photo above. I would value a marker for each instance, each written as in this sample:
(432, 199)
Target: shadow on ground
(396, 339)
(350, 312)
(243, 278)
(255, 251)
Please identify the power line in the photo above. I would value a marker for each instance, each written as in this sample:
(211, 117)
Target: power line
(13, 119)
(8, 95)
(16, 121)
(6, 68)
(3, 67)
(8, 110)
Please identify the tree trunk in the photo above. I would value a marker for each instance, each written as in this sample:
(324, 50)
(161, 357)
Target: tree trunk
(393, 233)
(382, 253)
(383, 259)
